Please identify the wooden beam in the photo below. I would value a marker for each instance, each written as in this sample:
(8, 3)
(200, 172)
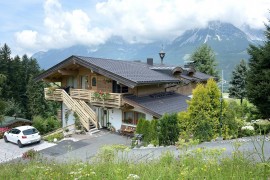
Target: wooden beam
(68, 72)
(52, 79)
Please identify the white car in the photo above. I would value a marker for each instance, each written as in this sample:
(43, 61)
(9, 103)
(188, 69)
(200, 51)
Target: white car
(22, 135)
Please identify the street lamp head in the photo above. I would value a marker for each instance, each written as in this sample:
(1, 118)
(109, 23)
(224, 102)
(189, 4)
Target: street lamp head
(161, 55)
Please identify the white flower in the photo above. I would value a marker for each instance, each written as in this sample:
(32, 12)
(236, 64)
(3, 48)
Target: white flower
(248, 128)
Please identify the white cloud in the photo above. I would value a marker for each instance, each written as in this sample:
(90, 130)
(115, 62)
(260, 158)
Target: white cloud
(154, 19)
(28, 38)
(136, 20)
(62, 29)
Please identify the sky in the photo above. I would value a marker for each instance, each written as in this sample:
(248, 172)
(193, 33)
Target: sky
(30, 26)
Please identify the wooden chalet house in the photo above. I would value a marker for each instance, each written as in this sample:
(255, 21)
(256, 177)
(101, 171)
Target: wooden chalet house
(104, 92)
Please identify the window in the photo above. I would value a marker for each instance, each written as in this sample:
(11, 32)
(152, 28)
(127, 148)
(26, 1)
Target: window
(132, 117)
(30, 131)
(94, 81)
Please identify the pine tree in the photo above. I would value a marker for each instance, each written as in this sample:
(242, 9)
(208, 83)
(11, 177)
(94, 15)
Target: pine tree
(238, 81)
(258, 76)
(204, 60)
(5, 69)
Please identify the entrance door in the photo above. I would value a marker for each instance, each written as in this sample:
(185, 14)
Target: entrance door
(72, 82)
(84, 82)
(103, 117)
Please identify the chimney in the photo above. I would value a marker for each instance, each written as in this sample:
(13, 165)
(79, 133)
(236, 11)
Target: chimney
(150, 61)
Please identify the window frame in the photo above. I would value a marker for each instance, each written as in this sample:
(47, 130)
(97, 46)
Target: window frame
(135, 119)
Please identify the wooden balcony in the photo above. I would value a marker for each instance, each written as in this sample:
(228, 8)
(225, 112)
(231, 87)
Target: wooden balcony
(112, 99)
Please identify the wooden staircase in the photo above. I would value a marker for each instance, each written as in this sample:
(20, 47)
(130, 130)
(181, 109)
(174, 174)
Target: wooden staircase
(87, 116)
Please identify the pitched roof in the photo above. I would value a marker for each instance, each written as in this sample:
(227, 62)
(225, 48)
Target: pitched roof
(160, 103)
(129, 73)
(8, 120)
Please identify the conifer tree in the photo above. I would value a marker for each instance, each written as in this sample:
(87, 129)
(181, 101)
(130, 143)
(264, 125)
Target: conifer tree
(258, 76)
(238, 81)
(204, 60)
(204, 111)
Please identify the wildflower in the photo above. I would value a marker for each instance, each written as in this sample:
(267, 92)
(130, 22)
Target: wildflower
(133, 176)
(248, 128)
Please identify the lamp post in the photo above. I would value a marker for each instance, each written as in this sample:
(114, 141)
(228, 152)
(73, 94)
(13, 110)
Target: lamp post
(161, 55)
(221, 103)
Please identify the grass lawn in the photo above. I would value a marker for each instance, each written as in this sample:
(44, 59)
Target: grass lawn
(199, 164)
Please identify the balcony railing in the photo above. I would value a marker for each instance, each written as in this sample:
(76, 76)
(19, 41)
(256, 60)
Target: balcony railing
(111, 100)
(53, 94)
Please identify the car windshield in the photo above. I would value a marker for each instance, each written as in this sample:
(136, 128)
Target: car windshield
(30, 131)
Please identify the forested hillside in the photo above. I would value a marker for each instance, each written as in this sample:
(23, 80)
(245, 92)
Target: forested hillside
(19, 94)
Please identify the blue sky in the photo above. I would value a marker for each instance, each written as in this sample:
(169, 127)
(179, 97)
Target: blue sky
(29, 26)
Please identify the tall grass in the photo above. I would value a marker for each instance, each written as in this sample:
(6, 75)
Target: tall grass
(197, 164)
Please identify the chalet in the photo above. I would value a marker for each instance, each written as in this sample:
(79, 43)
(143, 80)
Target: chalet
(105, 92)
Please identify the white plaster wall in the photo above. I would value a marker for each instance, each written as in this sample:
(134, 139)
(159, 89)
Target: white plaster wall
(115, 118)
(71, 118)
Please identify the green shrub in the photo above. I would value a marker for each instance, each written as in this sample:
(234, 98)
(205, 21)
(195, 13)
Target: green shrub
(168, 129)
(140, 126)
(262, 127)
(30, 154)
(57, 136)
(246, 133)
(46, 125)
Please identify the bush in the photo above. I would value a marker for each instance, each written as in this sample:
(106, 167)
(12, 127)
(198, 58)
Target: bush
(168, 129)
(247, 131)
(30, 154)
(51, 138)
(46, 125)
(2, 131)
(232, 120)
(262, 127)
(149, 131)
(140, 126)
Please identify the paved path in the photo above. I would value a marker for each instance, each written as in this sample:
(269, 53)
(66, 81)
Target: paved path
(88, 146)
(9, 151)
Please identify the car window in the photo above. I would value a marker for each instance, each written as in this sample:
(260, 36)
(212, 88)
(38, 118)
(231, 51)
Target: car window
(17, 131)
(13, 131)
(30, 131)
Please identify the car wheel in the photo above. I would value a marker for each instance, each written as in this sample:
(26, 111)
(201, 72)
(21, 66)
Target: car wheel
(5, 138)
(38, 142)
(20, 144)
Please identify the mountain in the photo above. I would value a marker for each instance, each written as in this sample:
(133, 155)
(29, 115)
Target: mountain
(228, 42)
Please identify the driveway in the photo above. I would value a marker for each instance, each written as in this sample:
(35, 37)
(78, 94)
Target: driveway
(83, 147)
(9, 151)
(86, 148)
